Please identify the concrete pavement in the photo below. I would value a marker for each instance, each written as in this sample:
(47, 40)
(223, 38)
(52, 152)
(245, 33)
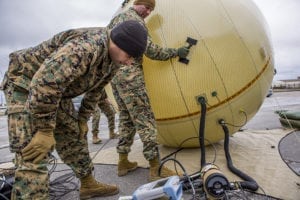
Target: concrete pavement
(265, 119)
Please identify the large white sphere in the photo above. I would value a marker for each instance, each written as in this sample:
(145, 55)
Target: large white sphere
(231, 66)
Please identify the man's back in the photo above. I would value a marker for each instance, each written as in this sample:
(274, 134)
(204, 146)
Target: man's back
(26, 62)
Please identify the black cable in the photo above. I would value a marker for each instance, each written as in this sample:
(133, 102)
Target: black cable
(201, 138)
(173, 153)
(98, 151)
(201, 100)
(183, 169)
(239, 126)
(63, 185)
(6, 183)
(181, 148)
(209, 142)
(236, 194)
(52, 161)
(249, 182)
(246, 194)
(67, 183)
(4, 197)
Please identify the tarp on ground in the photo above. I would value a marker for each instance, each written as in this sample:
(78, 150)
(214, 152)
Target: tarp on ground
(255, 152)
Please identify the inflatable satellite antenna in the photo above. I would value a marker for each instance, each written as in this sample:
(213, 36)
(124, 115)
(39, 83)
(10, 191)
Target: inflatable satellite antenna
(230, 65)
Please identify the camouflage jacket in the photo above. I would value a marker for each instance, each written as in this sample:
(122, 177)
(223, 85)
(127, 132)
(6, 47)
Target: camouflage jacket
(63, 67)
(153, 51)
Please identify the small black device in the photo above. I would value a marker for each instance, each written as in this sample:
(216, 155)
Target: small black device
(214, 182)
(190, 42)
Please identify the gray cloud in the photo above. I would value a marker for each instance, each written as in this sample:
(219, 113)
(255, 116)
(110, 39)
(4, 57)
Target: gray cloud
(283, 19)
(27, 23)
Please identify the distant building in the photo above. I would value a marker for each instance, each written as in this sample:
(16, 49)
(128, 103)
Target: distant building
(287, 84)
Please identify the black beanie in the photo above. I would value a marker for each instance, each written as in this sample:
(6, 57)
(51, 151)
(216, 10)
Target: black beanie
(131, 37)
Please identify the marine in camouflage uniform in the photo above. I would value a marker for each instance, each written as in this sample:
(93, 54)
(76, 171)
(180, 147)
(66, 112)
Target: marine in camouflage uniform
(106, 107)
(38, 86)
(129, 90)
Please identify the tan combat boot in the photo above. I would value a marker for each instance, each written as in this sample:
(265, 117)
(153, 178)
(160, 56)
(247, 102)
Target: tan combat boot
(164, 172)
(91, 188)
(96, 140)
(113, 135)
(124, 165)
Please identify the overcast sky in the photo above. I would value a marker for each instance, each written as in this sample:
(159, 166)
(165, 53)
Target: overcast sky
(25, 23)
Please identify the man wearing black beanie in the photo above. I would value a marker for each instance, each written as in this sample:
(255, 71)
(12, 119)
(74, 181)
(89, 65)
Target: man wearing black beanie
(130, 38)
(39, 86)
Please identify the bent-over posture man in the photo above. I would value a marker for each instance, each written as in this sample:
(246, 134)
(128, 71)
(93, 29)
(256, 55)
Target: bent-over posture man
(39, 85)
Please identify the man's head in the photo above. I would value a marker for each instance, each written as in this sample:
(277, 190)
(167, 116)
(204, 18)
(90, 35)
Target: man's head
(149, 3)
(144, 7)
(128, 39)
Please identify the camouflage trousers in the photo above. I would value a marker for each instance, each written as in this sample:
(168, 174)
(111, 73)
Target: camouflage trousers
(136, 116)
(32, 180)
(108, 111)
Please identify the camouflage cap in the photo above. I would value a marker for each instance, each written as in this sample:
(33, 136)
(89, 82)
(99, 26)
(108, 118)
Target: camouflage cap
(149, 3)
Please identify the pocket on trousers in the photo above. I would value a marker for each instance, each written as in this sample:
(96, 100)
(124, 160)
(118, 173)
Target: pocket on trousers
(19, 130)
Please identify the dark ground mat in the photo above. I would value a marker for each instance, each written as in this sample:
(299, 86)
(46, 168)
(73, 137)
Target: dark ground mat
(289, 149)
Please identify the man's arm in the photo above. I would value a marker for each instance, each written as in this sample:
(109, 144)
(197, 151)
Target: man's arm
(156, 52)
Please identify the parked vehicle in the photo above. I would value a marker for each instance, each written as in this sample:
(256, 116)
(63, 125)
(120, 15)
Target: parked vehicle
(270, 92)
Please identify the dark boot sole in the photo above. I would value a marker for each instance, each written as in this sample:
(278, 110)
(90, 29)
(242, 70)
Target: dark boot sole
(103, 195)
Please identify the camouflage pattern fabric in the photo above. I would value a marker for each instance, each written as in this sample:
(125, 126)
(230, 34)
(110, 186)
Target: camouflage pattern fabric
(39, 85)
(106, 107)
(130, 93)
(20, 133)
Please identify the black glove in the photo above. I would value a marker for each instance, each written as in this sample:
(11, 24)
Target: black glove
(183, 52)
